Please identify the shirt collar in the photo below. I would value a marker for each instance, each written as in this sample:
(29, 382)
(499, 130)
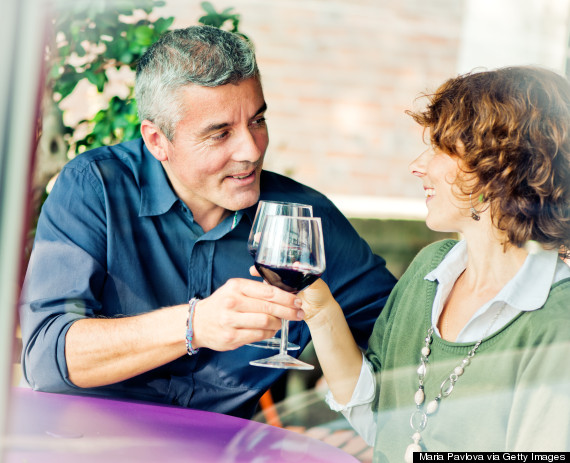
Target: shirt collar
(250, 212)
(526, 291)
(529, 288)
(451, 266)
(157, 196)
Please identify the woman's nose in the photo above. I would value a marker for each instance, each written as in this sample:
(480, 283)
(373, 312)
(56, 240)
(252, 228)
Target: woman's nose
(418, 166)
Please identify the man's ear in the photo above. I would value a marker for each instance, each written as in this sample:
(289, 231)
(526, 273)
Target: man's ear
(155, 140)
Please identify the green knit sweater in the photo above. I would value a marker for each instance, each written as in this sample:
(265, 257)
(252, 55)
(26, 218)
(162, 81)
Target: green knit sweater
(515, 394)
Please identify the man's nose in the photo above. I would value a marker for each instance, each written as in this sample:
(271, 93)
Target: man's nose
(250, 147)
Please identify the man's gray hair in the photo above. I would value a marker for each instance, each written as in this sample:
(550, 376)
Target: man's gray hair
(199, 55)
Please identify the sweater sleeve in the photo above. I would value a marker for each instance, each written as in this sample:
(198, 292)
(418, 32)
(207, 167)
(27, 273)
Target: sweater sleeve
(539, 418)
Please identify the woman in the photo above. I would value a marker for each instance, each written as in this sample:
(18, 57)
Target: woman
(471, 351)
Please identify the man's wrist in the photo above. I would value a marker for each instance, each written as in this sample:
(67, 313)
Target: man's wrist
(190, 326)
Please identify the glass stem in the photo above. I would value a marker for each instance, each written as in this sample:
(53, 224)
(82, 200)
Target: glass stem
(284, 337)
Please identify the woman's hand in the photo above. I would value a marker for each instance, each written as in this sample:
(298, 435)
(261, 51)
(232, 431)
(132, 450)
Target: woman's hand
(338, 353)
(317, 299)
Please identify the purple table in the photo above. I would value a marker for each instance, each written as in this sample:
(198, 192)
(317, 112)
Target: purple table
(58, 428)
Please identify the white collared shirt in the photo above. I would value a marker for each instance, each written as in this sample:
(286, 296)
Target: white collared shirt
(526, 291)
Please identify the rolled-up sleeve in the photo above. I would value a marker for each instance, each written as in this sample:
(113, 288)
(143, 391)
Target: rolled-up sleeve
(64, 278)
(358, 411)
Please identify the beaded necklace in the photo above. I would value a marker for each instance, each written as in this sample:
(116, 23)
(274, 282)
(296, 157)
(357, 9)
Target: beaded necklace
(419, 418)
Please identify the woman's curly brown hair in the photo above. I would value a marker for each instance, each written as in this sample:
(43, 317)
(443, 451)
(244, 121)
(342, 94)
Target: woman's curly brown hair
(511, 129)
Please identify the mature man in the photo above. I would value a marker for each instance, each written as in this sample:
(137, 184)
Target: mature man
(130, 233)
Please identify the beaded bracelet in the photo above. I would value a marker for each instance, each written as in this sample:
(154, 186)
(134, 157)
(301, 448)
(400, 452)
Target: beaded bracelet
(189, 329)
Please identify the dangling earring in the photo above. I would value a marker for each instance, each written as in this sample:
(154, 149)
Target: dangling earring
(474, 214)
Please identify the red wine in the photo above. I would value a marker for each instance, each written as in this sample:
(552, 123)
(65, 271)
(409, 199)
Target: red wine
(291, 279)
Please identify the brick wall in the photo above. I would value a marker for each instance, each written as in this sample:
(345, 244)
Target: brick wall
(338, 76)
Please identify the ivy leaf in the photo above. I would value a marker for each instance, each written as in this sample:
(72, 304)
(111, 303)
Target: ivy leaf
(118, 49)
(161, 25)
(81, 28)
(208, 8)
(64, 50)
(124, 7)
(213, 18)
(67, 82)
(96, 75)
(132, 131)
(126, 57)
(80, 50)
(144, 35)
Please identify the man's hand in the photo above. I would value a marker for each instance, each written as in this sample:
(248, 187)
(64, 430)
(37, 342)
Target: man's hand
(339, 355)
(240, 312)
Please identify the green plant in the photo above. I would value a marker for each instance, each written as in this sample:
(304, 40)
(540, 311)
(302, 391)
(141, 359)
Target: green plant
(92, 38)
(219, 19)
(89, 40)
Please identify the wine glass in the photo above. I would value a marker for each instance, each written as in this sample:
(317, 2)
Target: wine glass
(265, 208)
(290, 256)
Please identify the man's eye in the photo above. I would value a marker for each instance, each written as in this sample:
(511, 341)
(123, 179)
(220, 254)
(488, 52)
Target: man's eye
(220, 135)
(259, 121)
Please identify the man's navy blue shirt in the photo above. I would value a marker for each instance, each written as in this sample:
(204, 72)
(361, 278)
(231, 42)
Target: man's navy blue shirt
(113, 239)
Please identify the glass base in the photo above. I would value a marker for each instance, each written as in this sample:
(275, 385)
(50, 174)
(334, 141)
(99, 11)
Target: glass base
(273, 343)
(282, 361)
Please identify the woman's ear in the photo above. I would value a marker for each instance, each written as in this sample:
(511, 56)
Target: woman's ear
(155, 140)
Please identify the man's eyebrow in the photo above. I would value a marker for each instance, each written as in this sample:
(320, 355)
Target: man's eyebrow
(214, 127)
(262, 109)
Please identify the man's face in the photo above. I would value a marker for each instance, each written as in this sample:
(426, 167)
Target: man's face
(215, 159)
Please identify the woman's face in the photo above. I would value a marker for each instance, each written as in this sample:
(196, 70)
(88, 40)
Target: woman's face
(438, 172)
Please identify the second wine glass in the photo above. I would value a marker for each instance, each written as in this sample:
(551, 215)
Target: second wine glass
(290, 256)
(265, 208)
